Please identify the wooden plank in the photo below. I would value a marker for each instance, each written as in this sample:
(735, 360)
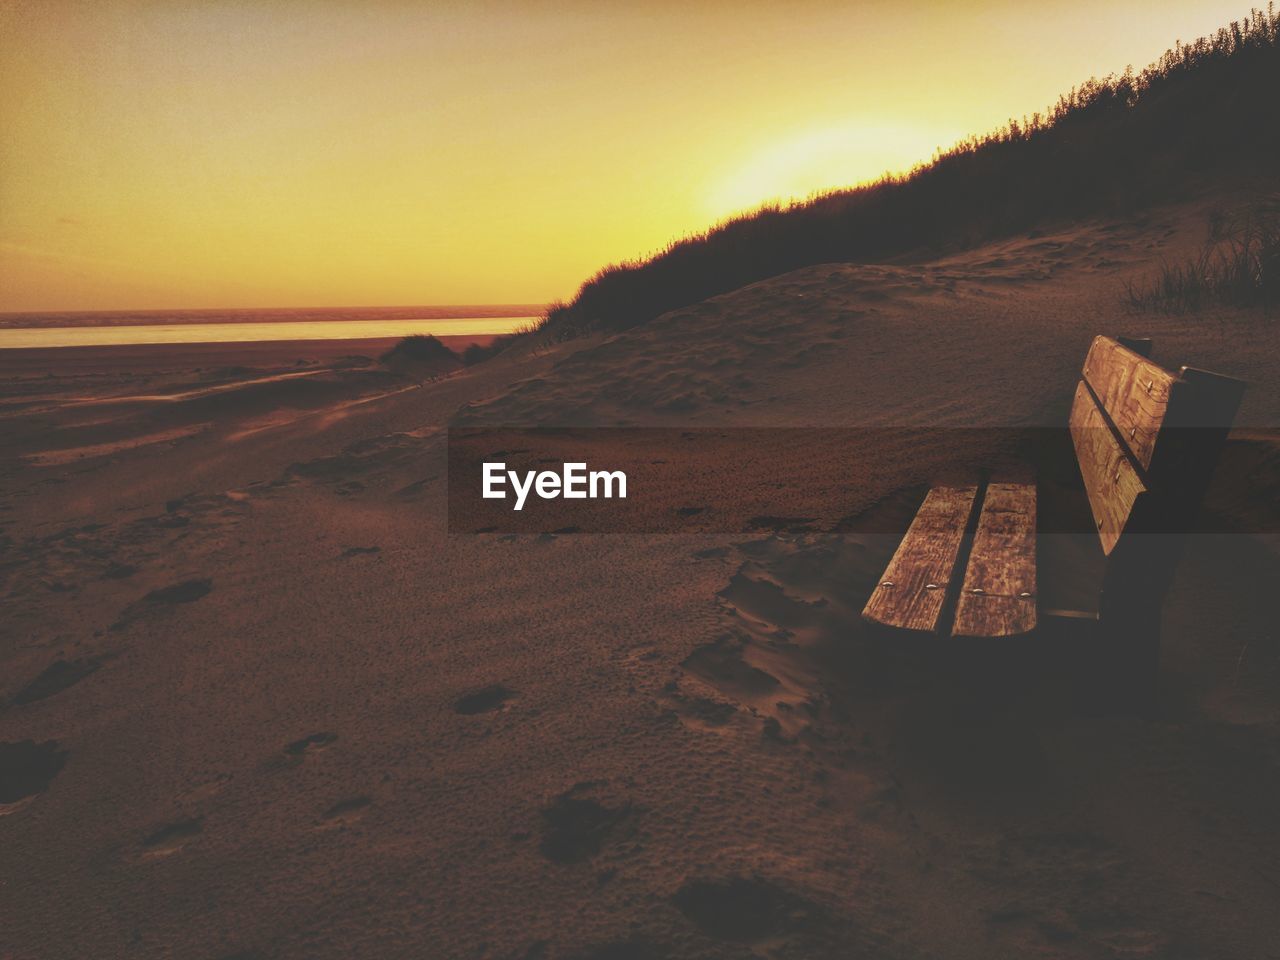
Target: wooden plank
(913, 591)
(998, 597)
(1134, 392)
(1110, 480)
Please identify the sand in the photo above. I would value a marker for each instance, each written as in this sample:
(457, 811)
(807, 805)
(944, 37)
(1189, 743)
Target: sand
(141, 358)
(259, 703)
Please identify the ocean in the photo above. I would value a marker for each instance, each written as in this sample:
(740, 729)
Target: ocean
(103, 328)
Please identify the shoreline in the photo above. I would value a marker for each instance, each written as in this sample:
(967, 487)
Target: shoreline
(183, 316)
(179, 334)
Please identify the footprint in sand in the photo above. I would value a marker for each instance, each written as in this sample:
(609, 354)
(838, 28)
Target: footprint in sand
(721, 664)
(579, 822)
(296, 751)
(204, 790)
(171, 838)
(359, 551)
(695, 712)
(316, 741)
(486, 700)
(345, 811)
(745, 910)
(413, 490)
(779, 524)
(711, 553)
(187, 591)
(26, 770)
(770, 605)
(55, 678)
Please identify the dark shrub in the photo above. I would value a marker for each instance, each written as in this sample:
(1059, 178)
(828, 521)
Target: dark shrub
(420, 347)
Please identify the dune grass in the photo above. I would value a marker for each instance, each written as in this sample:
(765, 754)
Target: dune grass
(1206, 111)
(1238, 266)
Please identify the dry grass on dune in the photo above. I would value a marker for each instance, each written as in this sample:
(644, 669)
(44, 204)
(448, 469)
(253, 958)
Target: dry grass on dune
(1239, 266)
(1205, 111)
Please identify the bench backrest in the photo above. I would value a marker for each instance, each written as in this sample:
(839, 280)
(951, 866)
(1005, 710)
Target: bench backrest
(1147, 440)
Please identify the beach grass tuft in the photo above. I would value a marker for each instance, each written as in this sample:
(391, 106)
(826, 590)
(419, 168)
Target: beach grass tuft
(1238, 266)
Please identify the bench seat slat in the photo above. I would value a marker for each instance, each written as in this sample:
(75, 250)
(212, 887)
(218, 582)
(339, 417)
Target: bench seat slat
(913, 590)
(998, 597)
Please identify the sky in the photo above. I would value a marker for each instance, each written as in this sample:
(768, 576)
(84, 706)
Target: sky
(192, 153)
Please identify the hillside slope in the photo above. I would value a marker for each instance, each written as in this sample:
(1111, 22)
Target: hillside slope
(1204, 115)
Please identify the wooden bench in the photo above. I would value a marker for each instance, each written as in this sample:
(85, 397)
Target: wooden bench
(1146, 441)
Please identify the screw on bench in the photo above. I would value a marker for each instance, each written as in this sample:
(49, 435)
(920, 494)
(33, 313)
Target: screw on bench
(977, 590)
(931, 586)
(887, 583)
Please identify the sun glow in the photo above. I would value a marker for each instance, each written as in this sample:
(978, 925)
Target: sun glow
(799, 166)
(189, 153)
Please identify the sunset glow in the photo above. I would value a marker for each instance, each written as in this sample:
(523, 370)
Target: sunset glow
(199, 154)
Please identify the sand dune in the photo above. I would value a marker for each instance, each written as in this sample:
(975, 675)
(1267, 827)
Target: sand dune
(257, 703)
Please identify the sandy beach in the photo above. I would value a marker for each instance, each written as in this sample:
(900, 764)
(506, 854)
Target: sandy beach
(202, 358)
(258, 702)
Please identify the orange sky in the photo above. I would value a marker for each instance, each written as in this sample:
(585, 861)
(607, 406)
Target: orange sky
(188, 154)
